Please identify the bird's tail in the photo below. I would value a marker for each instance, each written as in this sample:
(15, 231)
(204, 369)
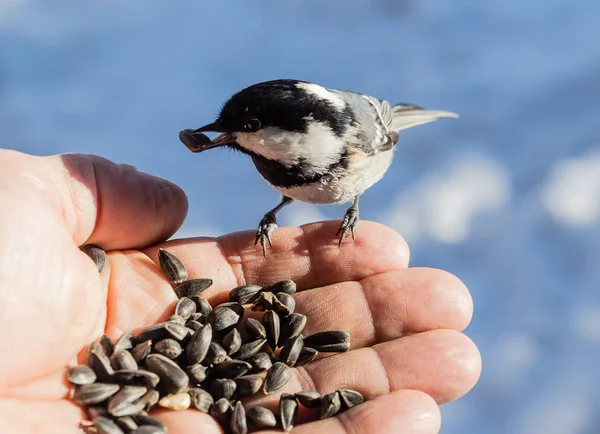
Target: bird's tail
(410, 115)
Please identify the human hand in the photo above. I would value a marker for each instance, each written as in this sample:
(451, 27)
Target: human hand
(407, 353)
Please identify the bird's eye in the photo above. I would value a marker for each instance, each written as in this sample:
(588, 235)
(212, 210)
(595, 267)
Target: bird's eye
(252, 125)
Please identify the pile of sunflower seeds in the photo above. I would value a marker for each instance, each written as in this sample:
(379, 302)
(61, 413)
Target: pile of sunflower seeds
(206, 358)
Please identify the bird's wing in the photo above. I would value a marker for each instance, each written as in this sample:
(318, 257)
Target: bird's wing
(384, 137)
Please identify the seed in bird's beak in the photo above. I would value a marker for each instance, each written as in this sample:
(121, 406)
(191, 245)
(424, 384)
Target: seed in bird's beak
(195, 141)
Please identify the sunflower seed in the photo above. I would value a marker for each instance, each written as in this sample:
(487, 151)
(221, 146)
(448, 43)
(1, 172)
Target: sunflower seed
(172, 377)
(191, 288)
(272, 325)
(139, 377)
(105, 425)
(149, 399)
(185, 308)
(171, 267)
(232, 369)
(249, 349)
(125, 342)
(245, 293)
(176, 319)
(329, 342)
(194, 325)
(94, 393)
(248, 384)
(177, 402)
(238, 420)
(202, 305)
(223, 317)
(147, 429)
(222, 388)
(176, 331)
(277, 377)
(232, 341)
(330, 405)
(287, 286)
(220, 410)
(107, 345)
(123, 359)
(97, 254)
(288, 410)
(261, 417)
(121, 403)
(99, 362)
(216, 354)
(154, 332)
(96, 410)
(199, 345)
(146, 420)
(260, 362)
(264, 302)
(309, 398)
(126, 423)
(198, 317)
(141, 350)
(255, 329)
(284, 304)
(197, 372)
(307, 355)
(350, 398)
(81, 374)
(201, 399)
(169, 348)
(291, 350)
(292, 326)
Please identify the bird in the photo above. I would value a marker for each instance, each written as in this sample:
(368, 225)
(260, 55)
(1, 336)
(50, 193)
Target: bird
(311, 143)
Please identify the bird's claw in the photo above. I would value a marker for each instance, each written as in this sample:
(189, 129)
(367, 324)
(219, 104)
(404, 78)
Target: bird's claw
(348, 225)
(265, 231)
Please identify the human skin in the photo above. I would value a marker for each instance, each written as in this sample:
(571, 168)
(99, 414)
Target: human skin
(407, 355)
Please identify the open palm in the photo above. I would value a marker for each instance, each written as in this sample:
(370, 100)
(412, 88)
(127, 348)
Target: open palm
(407, 354)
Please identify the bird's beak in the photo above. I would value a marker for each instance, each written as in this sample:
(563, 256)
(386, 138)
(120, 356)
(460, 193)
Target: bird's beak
(197, 141)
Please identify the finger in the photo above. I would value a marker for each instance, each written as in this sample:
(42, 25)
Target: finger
(309, 255)
(387, 306)
(400, 412)
(114, 205)
(444, 364)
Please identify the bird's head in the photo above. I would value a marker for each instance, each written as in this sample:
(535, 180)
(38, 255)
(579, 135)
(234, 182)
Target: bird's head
(272, 118)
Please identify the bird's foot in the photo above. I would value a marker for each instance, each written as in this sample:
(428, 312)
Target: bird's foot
(348, 224)
(265, 229)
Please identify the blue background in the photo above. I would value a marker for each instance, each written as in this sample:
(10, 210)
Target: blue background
(507, 198)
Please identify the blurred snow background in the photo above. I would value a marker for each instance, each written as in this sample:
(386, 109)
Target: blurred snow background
(507, 197)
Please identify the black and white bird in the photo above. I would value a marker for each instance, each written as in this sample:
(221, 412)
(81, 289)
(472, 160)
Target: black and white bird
(310, 143)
